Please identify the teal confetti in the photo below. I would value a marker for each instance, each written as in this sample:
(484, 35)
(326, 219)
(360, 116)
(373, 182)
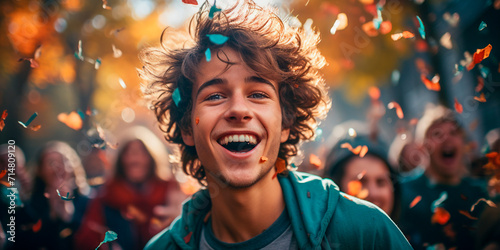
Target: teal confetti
(213, 10)
(484, 72)
(208, 55)
(176, 95)
(319, 134)
(110, 236)
(217, 38)
(25, 125)
(482, 26)
(97, 63)
(459, 69)
(82, 115)
(78, 54)
(65, 198)
(378, 20)
(421, 29)
(442, 197)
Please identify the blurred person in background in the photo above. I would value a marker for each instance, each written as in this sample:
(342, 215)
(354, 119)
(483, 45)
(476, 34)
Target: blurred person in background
(96, 167)
(408, 156)
(436, 207)
(135, 203)
(58, 200)
(372, 171)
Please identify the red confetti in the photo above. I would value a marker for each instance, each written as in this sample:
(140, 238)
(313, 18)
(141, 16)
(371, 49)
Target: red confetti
(440, 216)
(399, 111)
(479, 56)
(413, 121)
(467, 214)
(2, 120)
(193, 2)
(434, 86)
(280, 166)
(480, 84)
(490, 203)
(415, 201)
(37, 226)
(262, 159)
(458, 107)
(187, 238)
(481, 98)
(3, 173)
(315, 161)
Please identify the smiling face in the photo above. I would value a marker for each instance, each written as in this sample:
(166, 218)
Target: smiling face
(445, 143)
(236, 119)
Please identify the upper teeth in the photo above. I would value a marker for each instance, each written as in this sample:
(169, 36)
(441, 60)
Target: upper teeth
(238, 138)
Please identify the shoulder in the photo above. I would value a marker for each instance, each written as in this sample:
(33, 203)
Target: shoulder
(163, 240)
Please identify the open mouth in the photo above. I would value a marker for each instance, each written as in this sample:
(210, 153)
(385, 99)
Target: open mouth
(448, 153)
(239, 143)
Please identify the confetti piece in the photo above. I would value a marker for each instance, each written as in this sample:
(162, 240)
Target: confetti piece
(217, 38)
(374, 93)
(33, 116)
(354, 187)
(364, 150)
(480, 84)
(37, 226)
(430, 85)
(193, 2)
(445, 41)
(3, 173)
(378, 19)
(5, 183)
(490, 203)
(122, 83)
(404, 34)
(356, 150)
(415, 201)
(413, 121)
(482, 26)
(458, 107)
(369, 29)
(2, 120)
(421, 28)
(440, 216)
(399, 111)
(280, 166)
(484, 71)
(339, 24)
(197, 120)
(442, 197)
(187, 238)
(78, 54)
(467, 214)
(361, 175)
(97, 63)
(72, 120)
(81, 114)
(105, 5)
(116, 52)
(315, 161)
(385, 27)
(479, 56)
(176, 96)
(481, 98)
(110, 236)
(263, 159)
(352, 132)
(65, 198)
(35, 128)
(213, 10)
(208, 55)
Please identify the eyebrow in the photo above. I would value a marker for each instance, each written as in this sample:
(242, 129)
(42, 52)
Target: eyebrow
(249, 79)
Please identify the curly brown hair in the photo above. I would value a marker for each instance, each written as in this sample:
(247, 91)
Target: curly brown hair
(269, 46)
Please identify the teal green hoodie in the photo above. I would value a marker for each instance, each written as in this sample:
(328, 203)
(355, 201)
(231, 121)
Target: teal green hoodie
(322, 217)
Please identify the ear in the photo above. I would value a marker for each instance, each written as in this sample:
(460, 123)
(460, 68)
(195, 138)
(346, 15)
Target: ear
(187, 137)
(284, 134)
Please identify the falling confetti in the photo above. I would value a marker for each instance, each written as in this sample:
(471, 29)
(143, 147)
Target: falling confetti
(421, 28)
(352, 132)
(404, 34)
(3, 173)
(479, 56)
(480, 84)
(440, 216)
(458, 107)
(364, 150)
(97, 63)
(399, 111)
(176, 96)
(442, 197)
(78, 54)
(263, 159)
(445, 41)
(374, 93)
(482, 26)
(65, 198)
(35, 128)
(339, 24)
(116, 52)
(490, 203)
(315, 161)
(213, 10)
(2, 120)
(452, 20)
(354, 187)
(280, 166)
(110, 236)
(208, 55)
(33, 116)
(122, 83)
(359, 150)
(72, 120)
(105, 5)
(37, 226)
(197, 120)
(481, 98)
(415, 201)
(430, 85)
(193, 2)
(217, 38)
(467, 214)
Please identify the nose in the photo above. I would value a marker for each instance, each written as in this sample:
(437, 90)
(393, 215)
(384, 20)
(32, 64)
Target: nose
(238, 110)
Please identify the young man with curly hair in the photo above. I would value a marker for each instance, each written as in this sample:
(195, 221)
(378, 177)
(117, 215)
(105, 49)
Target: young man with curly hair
(238, 107)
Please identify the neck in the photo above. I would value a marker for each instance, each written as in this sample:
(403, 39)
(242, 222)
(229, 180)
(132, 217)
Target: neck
(443, 179)
(241, 214)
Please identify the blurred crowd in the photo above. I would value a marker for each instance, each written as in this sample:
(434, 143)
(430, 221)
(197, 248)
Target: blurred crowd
(439, 192)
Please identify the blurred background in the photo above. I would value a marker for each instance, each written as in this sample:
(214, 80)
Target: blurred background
(73, 62)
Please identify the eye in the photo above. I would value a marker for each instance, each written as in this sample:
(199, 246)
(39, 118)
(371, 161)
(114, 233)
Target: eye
(214, 97)
(258, 95)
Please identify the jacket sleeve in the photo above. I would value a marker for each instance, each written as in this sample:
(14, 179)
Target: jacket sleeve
(358, 224)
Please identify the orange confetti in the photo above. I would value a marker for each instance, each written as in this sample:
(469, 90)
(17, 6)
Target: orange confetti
(413, 121)
(490, 203)
(4, 114)
(263, 159)
(404, 34)
(197, 120)
(369, 29)
(399, 111)
(193, 2)
(35, 128)
(385, 27)
(374, 93)
(280, 166)
(5, 183)
(363, 151)
(467, 214)
(72, 120)
(434, 86)
(358, 150)
(481, 98)
(2, 123)
(458, 107)
(440, 216)
(479, 56)
(354, 187)
(37, 226)
(3, 173)
(315, 161)
(480, 84)
(415, 201)
(105, 5)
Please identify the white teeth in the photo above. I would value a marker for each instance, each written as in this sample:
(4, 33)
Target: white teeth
(238, 138)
